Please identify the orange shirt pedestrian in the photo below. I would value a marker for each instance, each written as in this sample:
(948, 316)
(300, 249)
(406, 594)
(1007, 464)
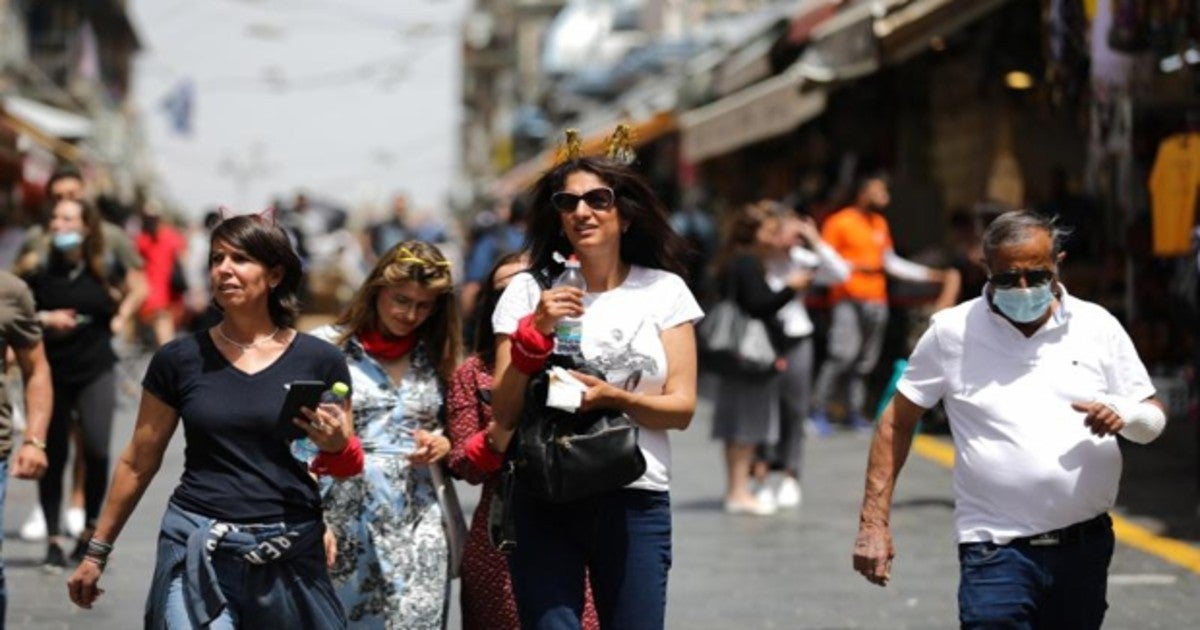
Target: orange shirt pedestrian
(861, 239)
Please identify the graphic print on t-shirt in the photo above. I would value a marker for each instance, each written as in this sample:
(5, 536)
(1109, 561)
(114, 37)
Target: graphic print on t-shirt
(622, 363)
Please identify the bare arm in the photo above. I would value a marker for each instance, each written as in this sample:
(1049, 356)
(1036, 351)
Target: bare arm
(873, 549)
(905, 269)
(139, 462)
(508, 387)
(39, 399)
(674, 407)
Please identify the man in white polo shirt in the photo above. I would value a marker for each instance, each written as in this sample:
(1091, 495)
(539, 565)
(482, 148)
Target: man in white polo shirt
(1037, 384)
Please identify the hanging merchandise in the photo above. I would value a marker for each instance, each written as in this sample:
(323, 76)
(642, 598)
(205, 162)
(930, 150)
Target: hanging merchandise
(1173, 183)
(1067, 68)
(1167, 28)
(1129, 32)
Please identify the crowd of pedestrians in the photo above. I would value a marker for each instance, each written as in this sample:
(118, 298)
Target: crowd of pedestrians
(345, 515)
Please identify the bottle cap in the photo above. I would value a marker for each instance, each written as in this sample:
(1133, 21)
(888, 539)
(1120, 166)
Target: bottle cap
(573, 261)
(340, 389)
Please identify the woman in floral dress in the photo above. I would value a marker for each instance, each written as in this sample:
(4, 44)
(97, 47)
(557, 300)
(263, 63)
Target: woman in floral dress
(401, 339)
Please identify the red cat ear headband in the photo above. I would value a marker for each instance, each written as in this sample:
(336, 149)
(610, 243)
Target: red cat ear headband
(267, 215)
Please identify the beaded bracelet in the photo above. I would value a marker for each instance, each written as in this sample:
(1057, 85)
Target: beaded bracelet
(98, 549)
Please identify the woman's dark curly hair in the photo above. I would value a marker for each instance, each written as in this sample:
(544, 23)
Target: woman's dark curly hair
(268, 244)
(649, 242)
(485, 306)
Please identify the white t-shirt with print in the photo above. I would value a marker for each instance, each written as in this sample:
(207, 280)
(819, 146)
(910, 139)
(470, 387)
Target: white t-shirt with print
(622, 331)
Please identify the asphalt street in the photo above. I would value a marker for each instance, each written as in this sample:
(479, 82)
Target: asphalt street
(791, 570)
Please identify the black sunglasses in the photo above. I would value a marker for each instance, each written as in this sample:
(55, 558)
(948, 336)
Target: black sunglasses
(596, 199)
(1012, 279)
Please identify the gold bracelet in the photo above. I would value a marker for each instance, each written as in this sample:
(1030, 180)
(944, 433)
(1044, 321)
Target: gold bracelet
(35, 442)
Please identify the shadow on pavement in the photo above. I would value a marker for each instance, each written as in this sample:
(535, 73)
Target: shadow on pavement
(924, 502)
(698, 505)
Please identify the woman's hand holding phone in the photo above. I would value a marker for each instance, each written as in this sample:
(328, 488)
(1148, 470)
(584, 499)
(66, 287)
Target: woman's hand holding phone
(329, 426)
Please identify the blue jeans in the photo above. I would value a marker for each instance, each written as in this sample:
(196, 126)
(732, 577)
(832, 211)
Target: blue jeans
(1023, 586)
(175, 612)
(622, 539)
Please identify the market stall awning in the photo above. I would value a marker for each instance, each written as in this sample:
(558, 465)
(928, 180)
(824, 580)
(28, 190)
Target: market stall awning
(907, 30)
(521, 176)
(744, 67)
(45, 125)
(761, 111)
(48, 119)
(843, 47)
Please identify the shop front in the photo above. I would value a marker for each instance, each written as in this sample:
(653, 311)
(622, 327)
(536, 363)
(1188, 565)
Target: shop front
(34, 138)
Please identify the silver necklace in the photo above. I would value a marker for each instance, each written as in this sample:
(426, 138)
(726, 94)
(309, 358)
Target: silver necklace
(244, 346)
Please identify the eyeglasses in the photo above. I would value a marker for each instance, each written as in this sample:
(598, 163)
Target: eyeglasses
(596, 199)
(1012, 279)
(407, 305)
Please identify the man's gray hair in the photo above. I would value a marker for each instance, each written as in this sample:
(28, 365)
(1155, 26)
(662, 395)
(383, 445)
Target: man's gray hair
(1014, 227)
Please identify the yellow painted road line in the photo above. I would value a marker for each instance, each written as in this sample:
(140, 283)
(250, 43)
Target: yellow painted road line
(1174, 551)
(1169, 549)
(940, 451)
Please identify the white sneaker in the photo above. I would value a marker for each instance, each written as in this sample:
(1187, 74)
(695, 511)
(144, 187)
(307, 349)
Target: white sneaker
(788, 495)
(34, 527)
(75, 522)
(765, 495)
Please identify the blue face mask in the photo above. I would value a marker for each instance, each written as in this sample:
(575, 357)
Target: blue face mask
(64, 241)
(1023, 305)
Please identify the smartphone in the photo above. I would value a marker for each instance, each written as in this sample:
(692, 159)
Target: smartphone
(300, 394)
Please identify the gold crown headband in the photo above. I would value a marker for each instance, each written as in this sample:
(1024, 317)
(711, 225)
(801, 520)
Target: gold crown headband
(618, 147)
(407, 256)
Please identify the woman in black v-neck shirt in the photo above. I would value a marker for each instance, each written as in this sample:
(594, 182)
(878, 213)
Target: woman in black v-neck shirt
(243, 498)
(73, 292)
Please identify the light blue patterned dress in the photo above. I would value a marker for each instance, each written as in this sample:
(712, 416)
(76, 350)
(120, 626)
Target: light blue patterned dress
(393, 559)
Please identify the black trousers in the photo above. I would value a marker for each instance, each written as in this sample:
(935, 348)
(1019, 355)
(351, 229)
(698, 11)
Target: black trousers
(91, 405)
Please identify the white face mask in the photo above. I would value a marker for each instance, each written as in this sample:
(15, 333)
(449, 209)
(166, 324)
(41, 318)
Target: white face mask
(66, 241)
(1023, 305)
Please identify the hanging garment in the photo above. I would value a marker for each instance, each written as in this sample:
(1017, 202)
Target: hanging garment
(1173, 183)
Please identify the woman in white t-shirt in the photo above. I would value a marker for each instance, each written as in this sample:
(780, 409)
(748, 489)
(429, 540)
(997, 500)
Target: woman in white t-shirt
(638, 318)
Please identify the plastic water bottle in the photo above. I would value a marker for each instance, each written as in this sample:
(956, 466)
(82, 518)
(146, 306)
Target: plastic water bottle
(304, 449)
(568, 333)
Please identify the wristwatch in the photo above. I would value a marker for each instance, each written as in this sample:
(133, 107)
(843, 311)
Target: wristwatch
(35, 442)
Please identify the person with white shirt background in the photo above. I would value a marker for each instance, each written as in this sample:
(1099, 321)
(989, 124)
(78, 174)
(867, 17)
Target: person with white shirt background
(1037, 384)
(800, 249)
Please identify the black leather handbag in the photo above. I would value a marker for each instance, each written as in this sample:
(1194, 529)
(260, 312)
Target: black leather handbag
(561, 457)
(501, 522)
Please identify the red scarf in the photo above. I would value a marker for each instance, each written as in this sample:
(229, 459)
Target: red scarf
(386, 348)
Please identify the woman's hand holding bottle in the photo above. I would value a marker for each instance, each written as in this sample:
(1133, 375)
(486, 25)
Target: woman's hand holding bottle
(556, 304)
